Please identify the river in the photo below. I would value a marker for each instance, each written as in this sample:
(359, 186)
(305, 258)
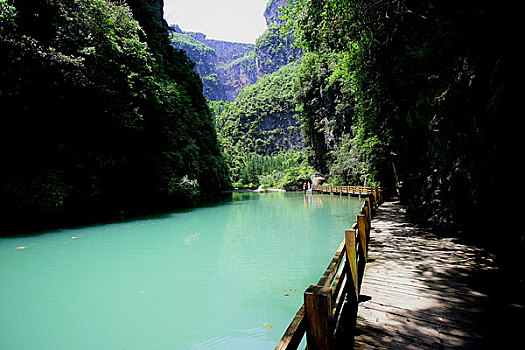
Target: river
(224, 276)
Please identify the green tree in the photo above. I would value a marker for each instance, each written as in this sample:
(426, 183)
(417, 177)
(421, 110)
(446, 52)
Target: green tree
(99, 113)
(260, 127)
(434, 84)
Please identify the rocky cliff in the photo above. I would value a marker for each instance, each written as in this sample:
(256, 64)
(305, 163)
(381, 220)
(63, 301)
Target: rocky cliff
(258, 116)
(226, 67)
(263, 119)
(237, 74)
(274, 50)
(234, 68)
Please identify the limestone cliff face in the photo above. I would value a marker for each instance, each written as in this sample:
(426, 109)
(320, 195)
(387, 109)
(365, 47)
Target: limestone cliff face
(227, 51)
(258, 79)
(225, 67)
(274, 50)
(234, 67)
(237, 74)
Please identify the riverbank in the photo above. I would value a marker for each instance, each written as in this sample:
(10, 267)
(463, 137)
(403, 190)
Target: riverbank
(259, 190)
(92, 215)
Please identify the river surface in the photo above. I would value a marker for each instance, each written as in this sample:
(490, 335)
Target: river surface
(224, 276)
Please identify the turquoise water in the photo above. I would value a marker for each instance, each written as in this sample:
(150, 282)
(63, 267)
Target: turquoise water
(227, 276)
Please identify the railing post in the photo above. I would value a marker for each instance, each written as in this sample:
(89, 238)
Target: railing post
(363, 233)
(352, 260)
(364, 236)
(319, 320)
(368, 212)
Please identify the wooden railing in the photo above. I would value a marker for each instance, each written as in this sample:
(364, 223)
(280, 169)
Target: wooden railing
(332, 302)
(376, 192)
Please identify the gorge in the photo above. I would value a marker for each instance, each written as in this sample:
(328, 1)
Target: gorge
(227, 67)
(250, 89)
(109, 114)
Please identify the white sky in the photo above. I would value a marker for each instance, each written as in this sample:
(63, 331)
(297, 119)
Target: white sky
(230, 20)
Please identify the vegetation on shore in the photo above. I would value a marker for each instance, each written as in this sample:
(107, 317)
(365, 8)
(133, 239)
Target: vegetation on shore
(422, 96)
(100, 115)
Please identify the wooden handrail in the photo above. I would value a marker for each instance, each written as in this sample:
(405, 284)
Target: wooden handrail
(324, 302)
(375, 193)
(294, 333)
(331, 270)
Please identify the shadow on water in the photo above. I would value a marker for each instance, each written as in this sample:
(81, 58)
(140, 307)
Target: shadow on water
(225, 198)
(28, 229)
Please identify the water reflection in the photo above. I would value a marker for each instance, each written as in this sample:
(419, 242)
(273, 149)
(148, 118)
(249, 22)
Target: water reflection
(313, 200)
(228, 275)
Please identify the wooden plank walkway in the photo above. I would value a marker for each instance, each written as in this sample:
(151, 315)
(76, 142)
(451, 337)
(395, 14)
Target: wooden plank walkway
(421, 291)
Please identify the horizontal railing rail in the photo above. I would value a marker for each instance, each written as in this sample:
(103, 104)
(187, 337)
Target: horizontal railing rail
(377, 192)
(321, 316)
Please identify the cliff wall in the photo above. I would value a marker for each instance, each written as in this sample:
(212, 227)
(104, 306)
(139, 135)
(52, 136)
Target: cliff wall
(227, 68)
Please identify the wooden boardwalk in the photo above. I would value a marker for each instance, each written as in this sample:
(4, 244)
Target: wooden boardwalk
(421, 291)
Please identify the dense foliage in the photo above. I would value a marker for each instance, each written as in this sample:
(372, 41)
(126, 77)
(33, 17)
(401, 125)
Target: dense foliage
(261, 135)
(326, 112)
(434, 88)
(275, 49)
(100, 115)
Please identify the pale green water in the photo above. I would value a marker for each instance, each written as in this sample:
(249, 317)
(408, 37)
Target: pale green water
(229, 276)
